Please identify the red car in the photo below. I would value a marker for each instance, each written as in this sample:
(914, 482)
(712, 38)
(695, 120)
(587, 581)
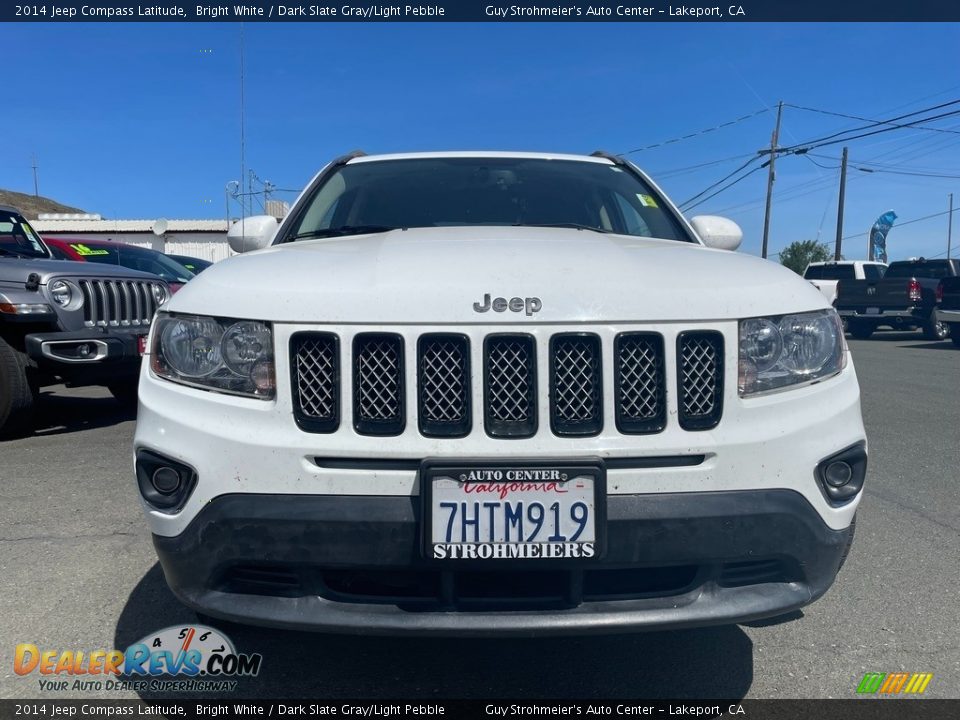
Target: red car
(129, 256)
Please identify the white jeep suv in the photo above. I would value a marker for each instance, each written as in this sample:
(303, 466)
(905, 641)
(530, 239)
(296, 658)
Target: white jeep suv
(507, 393)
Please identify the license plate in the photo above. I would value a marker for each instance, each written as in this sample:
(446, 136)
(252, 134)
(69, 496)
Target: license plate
(141, 344)
(873, 311)
(513, 511)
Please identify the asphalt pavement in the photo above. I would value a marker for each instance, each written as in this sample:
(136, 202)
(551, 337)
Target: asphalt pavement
(79, 573)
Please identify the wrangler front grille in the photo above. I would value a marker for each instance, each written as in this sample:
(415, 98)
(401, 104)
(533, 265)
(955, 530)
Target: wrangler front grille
(118, 303)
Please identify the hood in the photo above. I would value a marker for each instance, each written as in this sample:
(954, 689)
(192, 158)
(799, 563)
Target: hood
(436, 275)
(17, 270)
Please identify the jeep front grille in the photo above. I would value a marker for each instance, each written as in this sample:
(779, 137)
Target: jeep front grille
(444, 393)
(378, 401)
(576, 384)
(315, 358)
(117, 303)
(510, 385)
(700, 379)
(443, 377)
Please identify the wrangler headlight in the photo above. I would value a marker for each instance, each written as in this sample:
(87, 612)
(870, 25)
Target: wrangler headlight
(776, 352)
(231, 356)
(66, 294)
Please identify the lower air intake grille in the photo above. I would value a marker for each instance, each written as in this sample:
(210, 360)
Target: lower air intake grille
(444, 385)
(315, 359)
(641, 401)
(700, 379)
(378, 406)
(576, 384)
(510, 385)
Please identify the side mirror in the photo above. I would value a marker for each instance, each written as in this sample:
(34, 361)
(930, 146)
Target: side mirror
(717, 232)
(252, 233)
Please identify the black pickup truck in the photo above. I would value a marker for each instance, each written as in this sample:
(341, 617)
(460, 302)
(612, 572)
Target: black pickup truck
(948, 311)
(904, 299)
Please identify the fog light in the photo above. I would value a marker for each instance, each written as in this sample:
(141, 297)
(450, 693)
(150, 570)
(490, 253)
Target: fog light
(166, 480)
(83, 350)
(165, 483)
(842, 474)
(838, 473)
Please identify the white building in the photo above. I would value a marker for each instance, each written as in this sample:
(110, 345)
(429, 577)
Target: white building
(205, 239)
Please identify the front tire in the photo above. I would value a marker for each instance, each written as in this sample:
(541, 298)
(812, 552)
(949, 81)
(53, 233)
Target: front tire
(861, 330)
(933, 329)
(17, 395)
(955, 334)
(124, 393)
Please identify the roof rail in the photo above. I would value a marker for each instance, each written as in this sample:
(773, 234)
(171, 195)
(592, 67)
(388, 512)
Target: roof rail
(615, 159)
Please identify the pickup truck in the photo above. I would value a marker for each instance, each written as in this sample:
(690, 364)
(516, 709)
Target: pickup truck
(493, 393)
(948, 311)
(904, 299)
(66, 322)
(824, 276)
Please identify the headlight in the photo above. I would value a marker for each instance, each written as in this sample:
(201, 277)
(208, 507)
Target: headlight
(776, 352)
(66, 294)
(232, 356)
(160, 293)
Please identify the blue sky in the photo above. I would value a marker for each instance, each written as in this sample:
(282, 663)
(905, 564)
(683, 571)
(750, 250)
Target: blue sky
(143, 120)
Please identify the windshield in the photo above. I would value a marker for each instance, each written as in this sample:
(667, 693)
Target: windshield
(135, 258)
(829, 272)
(446, 192)
(936, 269)
(18, 239)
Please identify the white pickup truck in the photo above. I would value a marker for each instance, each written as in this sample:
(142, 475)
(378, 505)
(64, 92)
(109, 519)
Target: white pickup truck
(825, 276)
(496, 393)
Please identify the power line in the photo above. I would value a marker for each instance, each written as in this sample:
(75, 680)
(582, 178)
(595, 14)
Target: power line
(754, 158)
(697, 133)
(876, 123)
(723, 189)
(870, 120)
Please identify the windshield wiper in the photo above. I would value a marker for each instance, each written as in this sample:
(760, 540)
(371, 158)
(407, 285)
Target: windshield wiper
(574, 226)
(16, 253)
(344, 230)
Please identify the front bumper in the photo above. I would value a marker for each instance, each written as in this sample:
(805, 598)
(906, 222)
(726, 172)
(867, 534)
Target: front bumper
(354, 564)
(87, 355)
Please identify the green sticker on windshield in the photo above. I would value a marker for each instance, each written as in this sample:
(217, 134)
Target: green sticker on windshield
(82, 249)
(646, 200)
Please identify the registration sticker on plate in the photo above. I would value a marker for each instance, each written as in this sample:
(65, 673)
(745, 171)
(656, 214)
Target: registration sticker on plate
(500, 511)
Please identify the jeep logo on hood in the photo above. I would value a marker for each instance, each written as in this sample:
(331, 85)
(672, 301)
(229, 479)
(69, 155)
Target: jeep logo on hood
(531, 304)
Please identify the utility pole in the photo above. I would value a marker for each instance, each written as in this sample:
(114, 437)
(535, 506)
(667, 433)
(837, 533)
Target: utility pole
(843, 187)
(36, 181)
(775, 138)
(950, 226)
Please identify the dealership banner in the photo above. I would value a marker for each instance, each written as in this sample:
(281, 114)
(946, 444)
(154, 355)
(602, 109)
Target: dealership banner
(486, 11)
(486, 708)
(878, 236)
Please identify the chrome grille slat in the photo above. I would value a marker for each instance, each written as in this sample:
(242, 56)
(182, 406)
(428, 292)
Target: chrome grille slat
(378, 400)
(444, 385)
(510, 386)
(700, 379)
(641, 403)
(576, 385)
(315, 358)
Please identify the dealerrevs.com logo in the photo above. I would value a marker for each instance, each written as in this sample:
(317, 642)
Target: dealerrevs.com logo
(178, 658)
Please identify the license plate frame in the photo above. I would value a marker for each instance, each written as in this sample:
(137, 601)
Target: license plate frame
(433, 468)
